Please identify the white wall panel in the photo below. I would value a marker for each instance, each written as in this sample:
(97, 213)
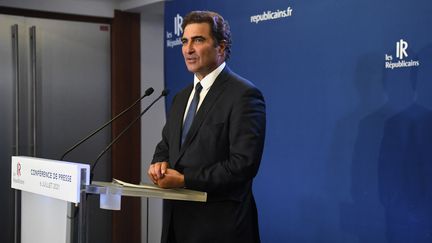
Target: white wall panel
(152, 75)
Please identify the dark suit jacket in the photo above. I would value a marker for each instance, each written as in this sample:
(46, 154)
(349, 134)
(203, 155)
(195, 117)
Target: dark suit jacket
(220, 156)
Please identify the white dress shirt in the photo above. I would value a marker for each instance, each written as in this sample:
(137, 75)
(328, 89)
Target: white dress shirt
(206, 83)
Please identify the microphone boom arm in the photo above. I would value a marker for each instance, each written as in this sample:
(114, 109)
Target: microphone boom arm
(164, 93)
(148, 92)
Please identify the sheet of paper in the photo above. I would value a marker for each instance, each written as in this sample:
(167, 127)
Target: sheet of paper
(144, 186)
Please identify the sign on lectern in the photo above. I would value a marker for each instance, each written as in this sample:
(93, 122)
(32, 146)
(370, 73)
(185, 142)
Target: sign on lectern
(51, 178)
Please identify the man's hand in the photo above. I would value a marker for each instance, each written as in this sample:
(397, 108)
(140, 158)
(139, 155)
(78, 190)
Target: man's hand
(171, 179)
(157, 171)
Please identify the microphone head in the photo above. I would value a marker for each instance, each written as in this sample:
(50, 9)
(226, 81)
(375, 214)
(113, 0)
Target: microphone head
(165, 92)
(149, 91)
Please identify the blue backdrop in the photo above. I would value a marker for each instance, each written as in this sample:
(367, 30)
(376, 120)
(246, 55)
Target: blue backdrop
(348, 87)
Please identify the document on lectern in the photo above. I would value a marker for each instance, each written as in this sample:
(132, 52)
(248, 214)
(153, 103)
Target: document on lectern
(149, 190)
(144, 186)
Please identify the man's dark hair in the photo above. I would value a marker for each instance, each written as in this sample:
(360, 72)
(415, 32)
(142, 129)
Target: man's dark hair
(220, 29)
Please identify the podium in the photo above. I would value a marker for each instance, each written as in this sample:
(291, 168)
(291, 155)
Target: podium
(52, 190)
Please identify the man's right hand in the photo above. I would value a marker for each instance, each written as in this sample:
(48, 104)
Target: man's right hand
(157, 171)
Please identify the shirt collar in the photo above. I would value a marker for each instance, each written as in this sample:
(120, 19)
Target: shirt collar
(209, 79)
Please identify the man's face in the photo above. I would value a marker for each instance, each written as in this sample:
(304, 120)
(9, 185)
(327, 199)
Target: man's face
(201, 54)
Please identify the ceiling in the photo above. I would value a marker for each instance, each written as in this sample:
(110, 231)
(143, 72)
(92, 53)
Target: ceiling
(102, 8)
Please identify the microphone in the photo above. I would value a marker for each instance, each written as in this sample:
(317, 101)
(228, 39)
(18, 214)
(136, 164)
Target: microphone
(148, 92)
(164, 93)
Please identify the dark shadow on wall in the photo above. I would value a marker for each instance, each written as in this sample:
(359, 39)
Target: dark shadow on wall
(364, 216)
(370, 92)
(405, 162)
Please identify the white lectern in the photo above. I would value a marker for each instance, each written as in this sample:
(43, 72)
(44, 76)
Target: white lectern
(49, 186)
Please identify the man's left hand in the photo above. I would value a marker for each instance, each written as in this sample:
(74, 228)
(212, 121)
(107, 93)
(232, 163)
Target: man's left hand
(171, 179)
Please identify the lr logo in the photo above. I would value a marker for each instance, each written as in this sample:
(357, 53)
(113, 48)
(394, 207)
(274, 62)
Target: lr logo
(401, 53)
(401, 47)
(19, 169)
(178, 21)
(173, 39)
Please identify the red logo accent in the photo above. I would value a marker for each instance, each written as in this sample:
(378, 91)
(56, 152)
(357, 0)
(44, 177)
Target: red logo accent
(103, 28)
(19, 169)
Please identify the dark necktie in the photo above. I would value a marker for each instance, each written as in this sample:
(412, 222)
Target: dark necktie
(191, 112)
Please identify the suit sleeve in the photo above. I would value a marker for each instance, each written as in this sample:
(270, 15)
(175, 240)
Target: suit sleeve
(247, 122)
(162, 148)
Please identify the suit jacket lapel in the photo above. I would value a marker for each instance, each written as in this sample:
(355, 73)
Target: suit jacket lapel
(211, 97)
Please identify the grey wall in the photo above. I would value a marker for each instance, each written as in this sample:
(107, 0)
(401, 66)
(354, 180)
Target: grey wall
(152, 75)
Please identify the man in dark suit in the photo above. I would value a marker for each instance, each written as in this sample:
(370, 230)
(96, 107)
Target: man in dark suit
(212, 141)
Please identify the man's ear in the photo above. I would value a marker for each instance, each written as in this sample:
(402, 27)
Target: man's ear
(221, 49)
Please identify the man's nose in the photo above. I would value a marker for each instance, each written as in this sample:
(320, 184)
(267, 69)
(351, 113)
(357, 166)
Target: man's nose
(189, 47)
